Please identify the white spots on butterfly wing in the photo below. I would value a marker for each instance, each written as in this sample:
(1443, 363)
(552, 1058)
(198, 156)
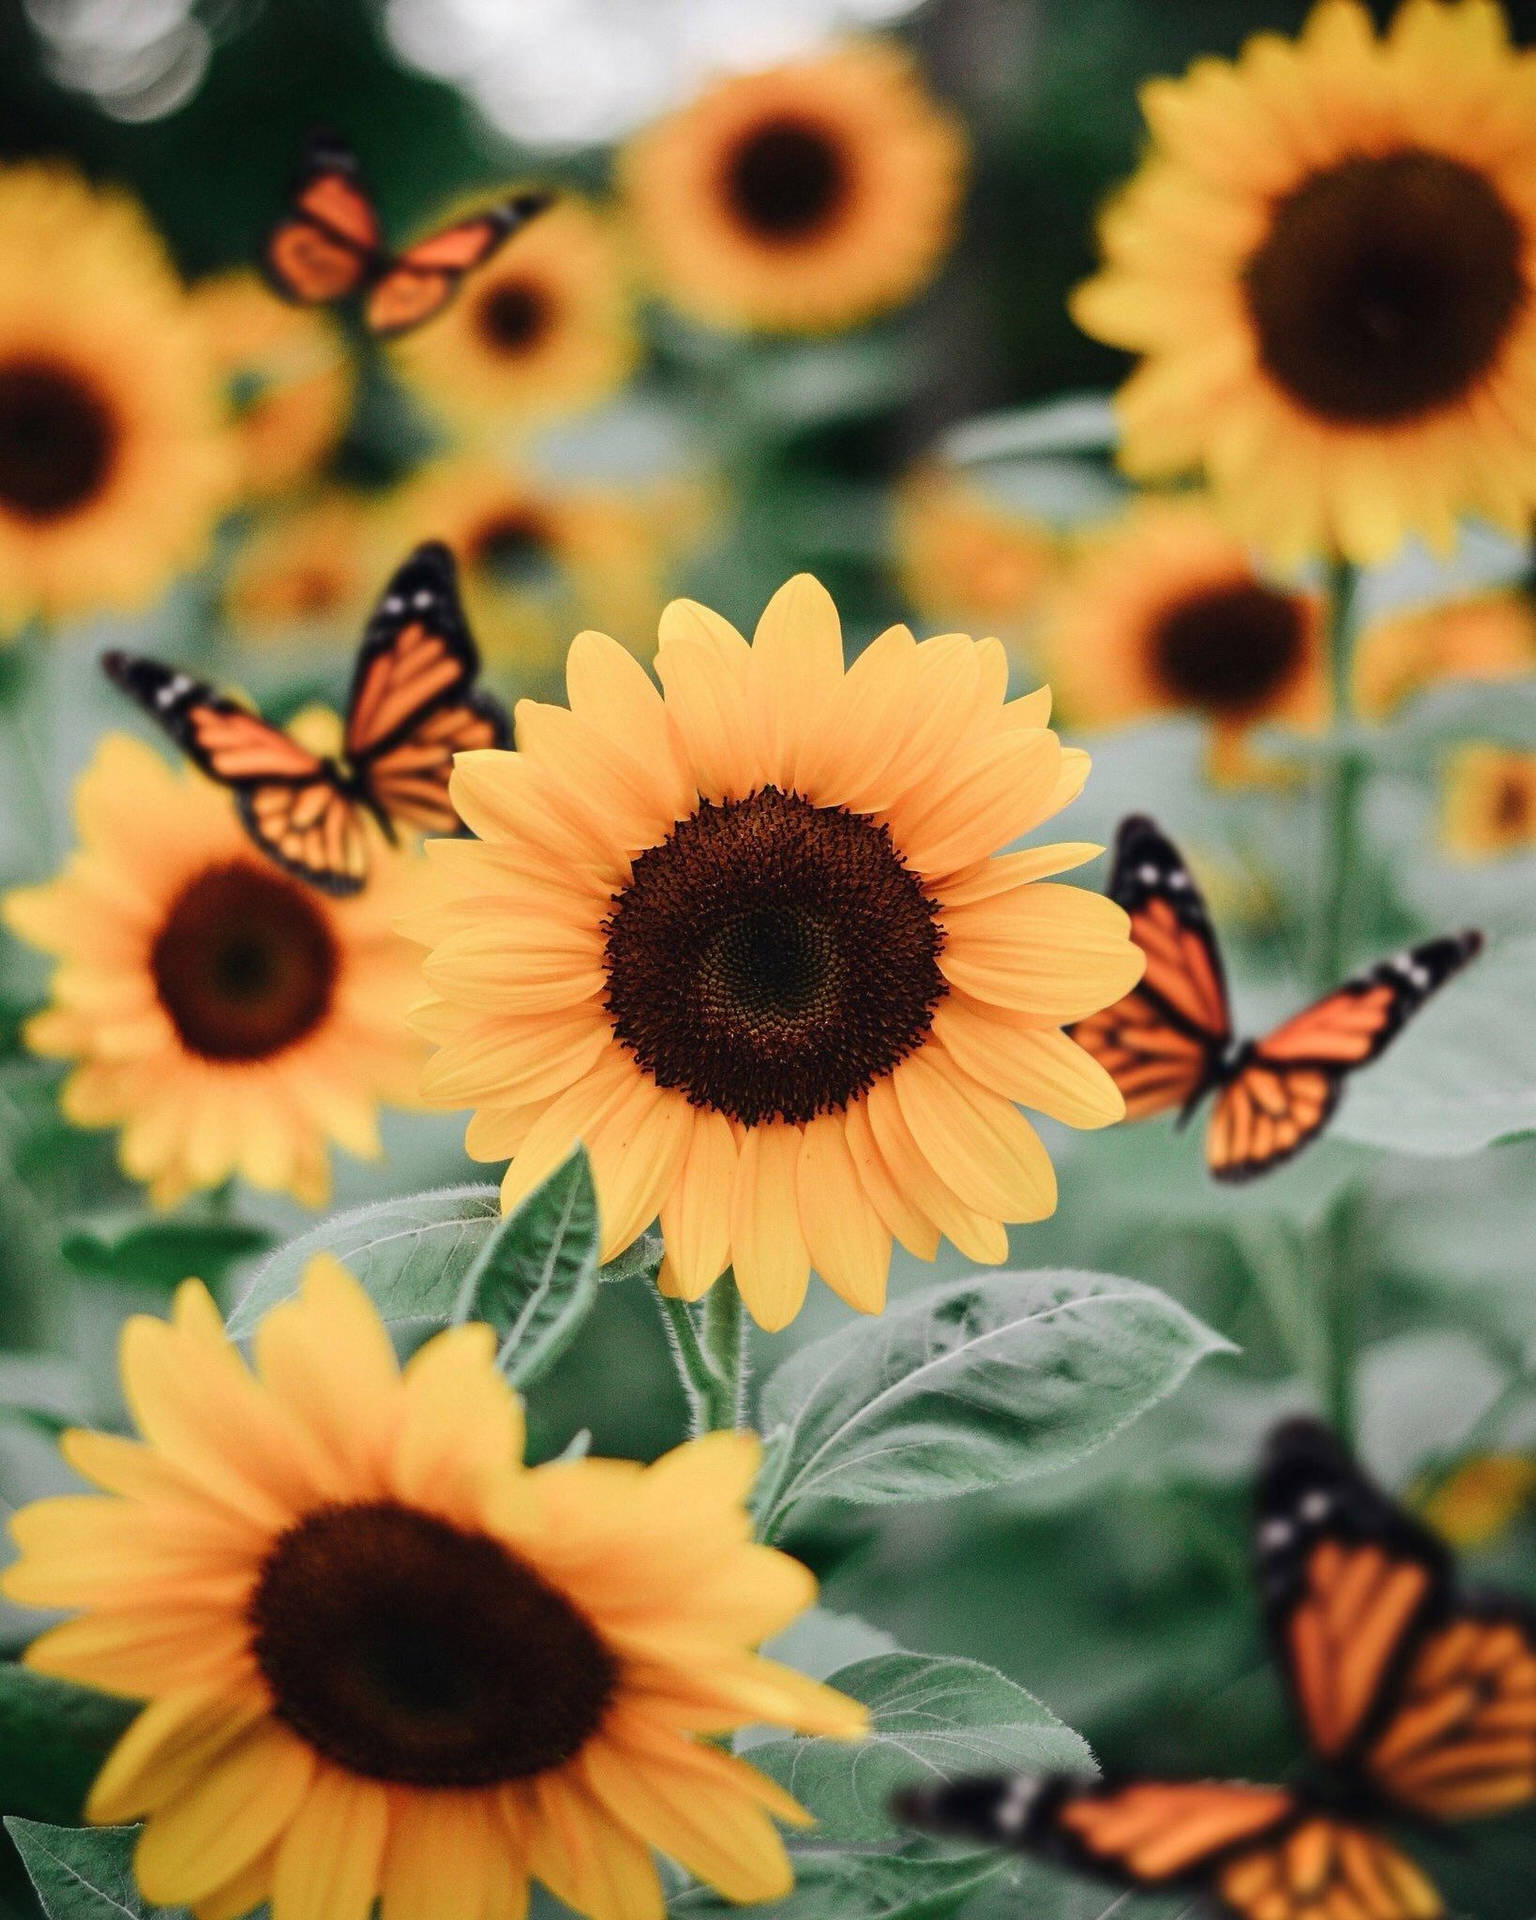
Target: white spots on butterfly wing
(392, 603)
(1276, 1535)
(176, 688)
(1013, 1809)
(423, 598)
(1148, 875)
(1315, 1507)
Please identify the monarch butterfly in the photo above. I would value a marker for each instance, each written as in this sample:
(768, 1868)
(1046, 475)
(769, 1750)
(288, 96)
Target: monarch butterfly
(1417, 1699)
(328, 245)
(1169, 1042)
(412, 707)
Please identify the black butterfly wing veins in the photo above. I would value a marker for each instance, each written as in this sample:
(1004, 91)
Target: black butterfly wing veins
(294, 803)
(1424, 1694)
(326, 244)
(1165, 1042)
(1283, 1090)
(414, 701)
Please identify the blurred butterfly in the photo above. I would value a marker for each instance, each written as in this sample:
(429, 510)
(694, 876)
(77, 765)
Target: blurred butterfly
(412, 707)
(1169, 1042)
(328, 244)
(1418, 1702)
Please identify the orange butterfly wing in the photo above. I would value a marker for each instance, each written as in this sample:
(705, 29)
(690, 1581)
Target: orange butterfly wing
(293, 802)
(414, 703)
(1326, 1869)
(327, 244)
(1164, 1042)
(422, 280)
(1283, 1089)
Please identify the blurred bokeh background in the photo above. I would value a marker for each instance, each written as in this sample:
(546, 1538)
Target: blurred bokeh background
(593, 437)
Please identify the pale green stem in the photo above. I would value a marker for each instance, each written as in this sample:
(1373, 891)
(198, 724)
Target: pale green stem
(709, 1350)
(1344, 783)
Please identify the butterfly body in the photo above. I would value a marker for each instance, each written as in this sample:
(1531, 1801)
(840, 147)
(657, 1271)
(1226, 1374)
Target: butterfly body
(1170, 1045)
(1417, 1701)
(413, 705)
(328, 245)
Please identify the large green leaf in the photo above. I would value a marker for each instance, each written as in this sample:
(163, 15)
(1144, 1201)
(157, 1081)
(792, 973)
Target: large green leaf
(53, 1739)
(536, 1277)
(84, 1873)
(1463, 1075)
(844, 1885)
(162, 1253)
(977, 1383)
(929, 1719)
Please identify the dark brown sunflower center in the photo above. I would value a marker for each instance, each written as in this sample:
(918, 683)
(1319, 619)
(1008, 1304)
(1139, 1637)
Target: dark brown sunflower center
(244, 964)
(404, 1649)
(515, 548)
(1512, 809)
(513, 316)
(772, 958)
(786, 179)
(58, 441)
(1229, 650)
(1386, 287)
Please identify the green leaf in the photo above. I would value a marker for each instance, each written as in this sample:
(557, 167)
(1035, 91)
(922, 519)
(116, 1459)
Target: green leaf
(414, 1255)
(1463, 1074)
(84, 1873)
(45, 1392)
(53, 1739)
(1076, 423)
(979, 1383)
(929, 1719)
(535, 1280)
(839, 1885)
(162, 1253)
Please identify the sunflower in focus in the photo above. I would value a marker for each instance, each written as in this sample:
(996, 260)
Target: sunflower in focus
(750, 940)
(963, 557)
(1326, 264)
(539, 558)
(1489, 808)
(803, 199)
(226, 1018)
(1165, 612)
(382, 1658)
(546, 329)
(312, 570)
(287, 376)
(114, 463)
(1491, 637)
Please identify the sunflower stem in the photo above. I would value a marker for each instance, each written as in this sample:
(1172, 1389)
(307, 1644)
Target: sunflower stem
(1343, 789)
(708, 1346)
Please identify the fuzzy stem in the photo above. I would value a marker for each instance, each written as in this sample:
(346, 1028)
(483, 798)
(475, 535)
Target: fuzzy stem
(708, 1346)
(1343, 790)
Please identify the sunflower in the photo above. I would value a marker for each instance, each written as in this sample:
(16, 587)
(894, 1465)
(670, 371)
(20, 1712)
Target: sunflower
(964, 557)
(1165, 612)
(1490, 637)
(114, 464)
(228, 1019)
(1482, 1499)
(382, 1657)
(805, 199)
(287, 375)
(1326, 263)
(538, 558)
(546, 329)
(1490, 803)
(748, 942)
(308, 571)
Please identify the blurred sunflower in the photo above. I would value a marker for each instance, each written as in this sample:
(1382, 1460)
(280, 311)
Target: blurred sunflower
(114, 464)
(228, 1019)
(1165, 612)
(308, 570)
(806, 198)
(748, 942)
(383, 1658)
(1489, 807)
(963, 557)
(1481, 1499)
(538, 559)
(1491, 637)
(287, 376)
(546, 329)
(1326, 262)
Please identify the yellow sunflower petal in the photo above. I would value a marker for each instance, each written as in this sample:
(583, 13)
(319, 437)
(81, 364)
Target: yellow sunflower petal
(768, 1250)
(329, 1859)
(696, 1215)
(849, 1245)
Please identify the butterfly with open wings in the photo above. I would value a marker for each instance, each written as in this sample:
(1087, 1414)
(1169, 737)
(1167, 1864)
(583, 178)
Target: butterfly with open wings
(1417, 1700)
(328, 245)
(1169, 1043)
(413, 706)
